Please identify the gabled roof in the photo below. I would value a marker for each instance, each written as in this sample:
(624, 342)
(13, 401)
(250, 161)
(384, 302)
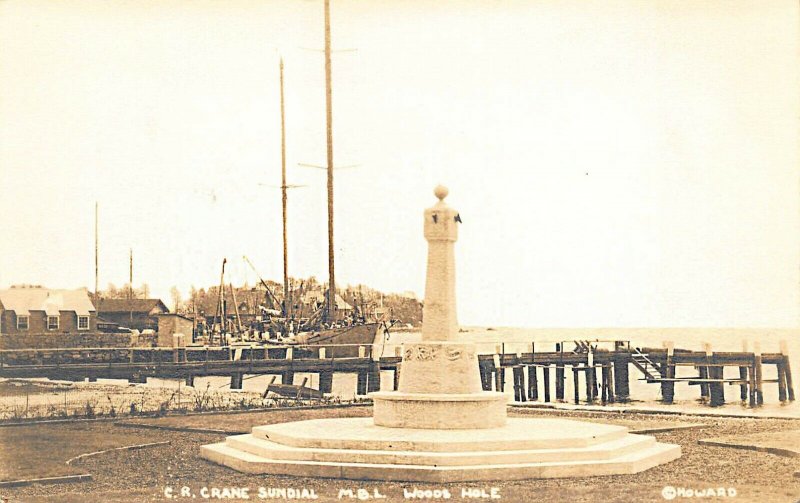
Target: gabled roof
(131, 305)
(245, 305)
(24, 300)
(175, 315)
(322, 297)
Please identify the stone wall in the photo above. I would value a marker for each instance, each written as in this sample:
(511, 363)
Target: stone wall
(67, 356)
(142, 340)
(83, 340)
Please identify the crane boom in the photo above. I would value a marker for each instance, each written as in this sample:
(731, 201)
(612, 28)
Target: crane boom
(269, 291)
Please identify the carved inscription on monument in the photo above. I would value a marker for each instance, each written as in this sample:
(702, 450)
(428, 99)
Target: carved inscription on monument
(427, 353)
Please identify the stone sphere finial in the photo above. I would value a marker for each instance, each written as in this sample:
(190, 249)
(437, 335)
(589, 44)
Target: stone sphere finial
(441, 192)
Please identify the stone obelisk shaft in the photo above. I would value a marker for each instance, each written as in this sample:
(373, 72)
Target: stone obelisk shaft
(439, 313)
(440, 386)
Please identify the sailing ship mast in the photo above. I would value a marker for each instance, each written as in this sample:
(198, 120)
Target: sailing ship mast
(96, 258)
(287, 301)
(331, 304)
(130, 284)
(330, 308)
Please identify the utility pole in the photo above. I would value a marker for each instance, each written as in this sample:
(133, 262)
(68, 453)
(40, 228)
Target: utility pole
(329, 134)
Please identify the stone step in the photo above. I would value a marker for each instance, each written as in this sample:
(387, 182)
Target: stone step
(631, 462)
(363, 434)
(273, 450)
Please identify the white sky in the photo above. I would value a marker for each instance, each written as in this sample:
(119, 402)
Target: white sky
(629, 163)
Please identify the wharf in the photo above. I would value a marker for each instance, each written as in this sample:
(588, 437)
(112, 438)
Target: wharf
(605, 373)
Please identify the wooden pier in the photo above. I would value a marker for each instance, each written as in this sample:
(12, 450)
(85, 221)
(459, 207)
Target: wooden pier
(605, 373)
(597, 375)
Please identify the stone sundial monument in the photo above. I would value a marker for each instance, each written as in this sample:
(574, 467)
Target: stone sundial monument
(440, 426)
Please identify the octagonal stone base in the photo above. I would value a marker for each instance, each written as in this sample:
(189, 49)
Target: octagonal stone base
(356, 448)
(480, 410)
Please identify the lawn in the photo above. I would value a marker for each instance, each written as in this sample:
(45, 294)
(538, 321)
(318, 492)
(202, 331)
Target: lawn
(143, 475)
(39, 451)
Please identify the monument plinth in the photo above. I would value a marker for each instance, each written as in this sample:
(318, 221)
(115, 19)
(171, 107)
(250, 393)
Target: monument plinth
(440, 426)
(440, 385)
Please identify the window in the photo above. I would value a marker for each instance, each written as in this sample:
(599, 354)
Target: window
(52, 323)
(83, 323)
(23, 322)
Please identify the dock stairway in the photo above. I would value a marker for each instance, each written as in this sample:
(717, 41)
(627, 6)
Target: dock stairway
(651, 371)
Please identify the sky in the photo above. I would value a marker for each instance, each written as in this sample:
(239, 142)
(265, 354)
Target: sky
(615, 163)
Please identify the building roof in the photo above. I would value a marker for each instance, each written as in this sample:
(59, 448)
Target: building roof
(245, 305)
(131, 305)
(321, 297)
(175, 315)
(24, 300)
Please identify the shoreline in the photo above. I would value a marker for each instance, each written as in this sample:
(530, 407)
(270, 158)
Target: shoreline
(90, 401)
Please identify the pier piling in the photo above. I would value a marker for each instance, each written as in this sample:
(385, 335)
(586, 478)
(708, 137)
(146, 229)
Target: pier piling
(546, 382)
(374, 378)
(560, 382)
(612, 396)
(533, 383)
(621, 359)
(519, 383)
(743, 384)
(717, 388)
(361, 383)
(396, 378)
(668, 370)
(576, 384)
(705, 391)
(751, 371)
(758, 373)
(781, 382)
(500, 379)
(485, 367)
(591, 392)
(604, 390)
(787, 371)
(326, 382)
(589, 384)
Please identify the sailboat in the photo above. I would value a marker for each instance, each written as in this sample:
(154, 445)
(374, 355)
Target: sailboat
(339, 331)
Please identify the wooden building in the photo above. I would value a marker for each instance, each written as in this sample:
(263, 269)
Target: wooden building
(39, 310)
(139, 314)
(170, 324)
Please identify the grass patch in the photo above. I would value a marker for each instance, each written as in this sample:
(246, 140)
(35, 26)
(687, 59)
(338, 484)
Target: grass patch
(23, 388)
(245, 422)
(39, 451)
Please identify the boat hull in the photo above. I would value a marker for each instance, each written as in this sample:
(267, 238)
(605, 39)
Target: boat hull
(342, 342)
